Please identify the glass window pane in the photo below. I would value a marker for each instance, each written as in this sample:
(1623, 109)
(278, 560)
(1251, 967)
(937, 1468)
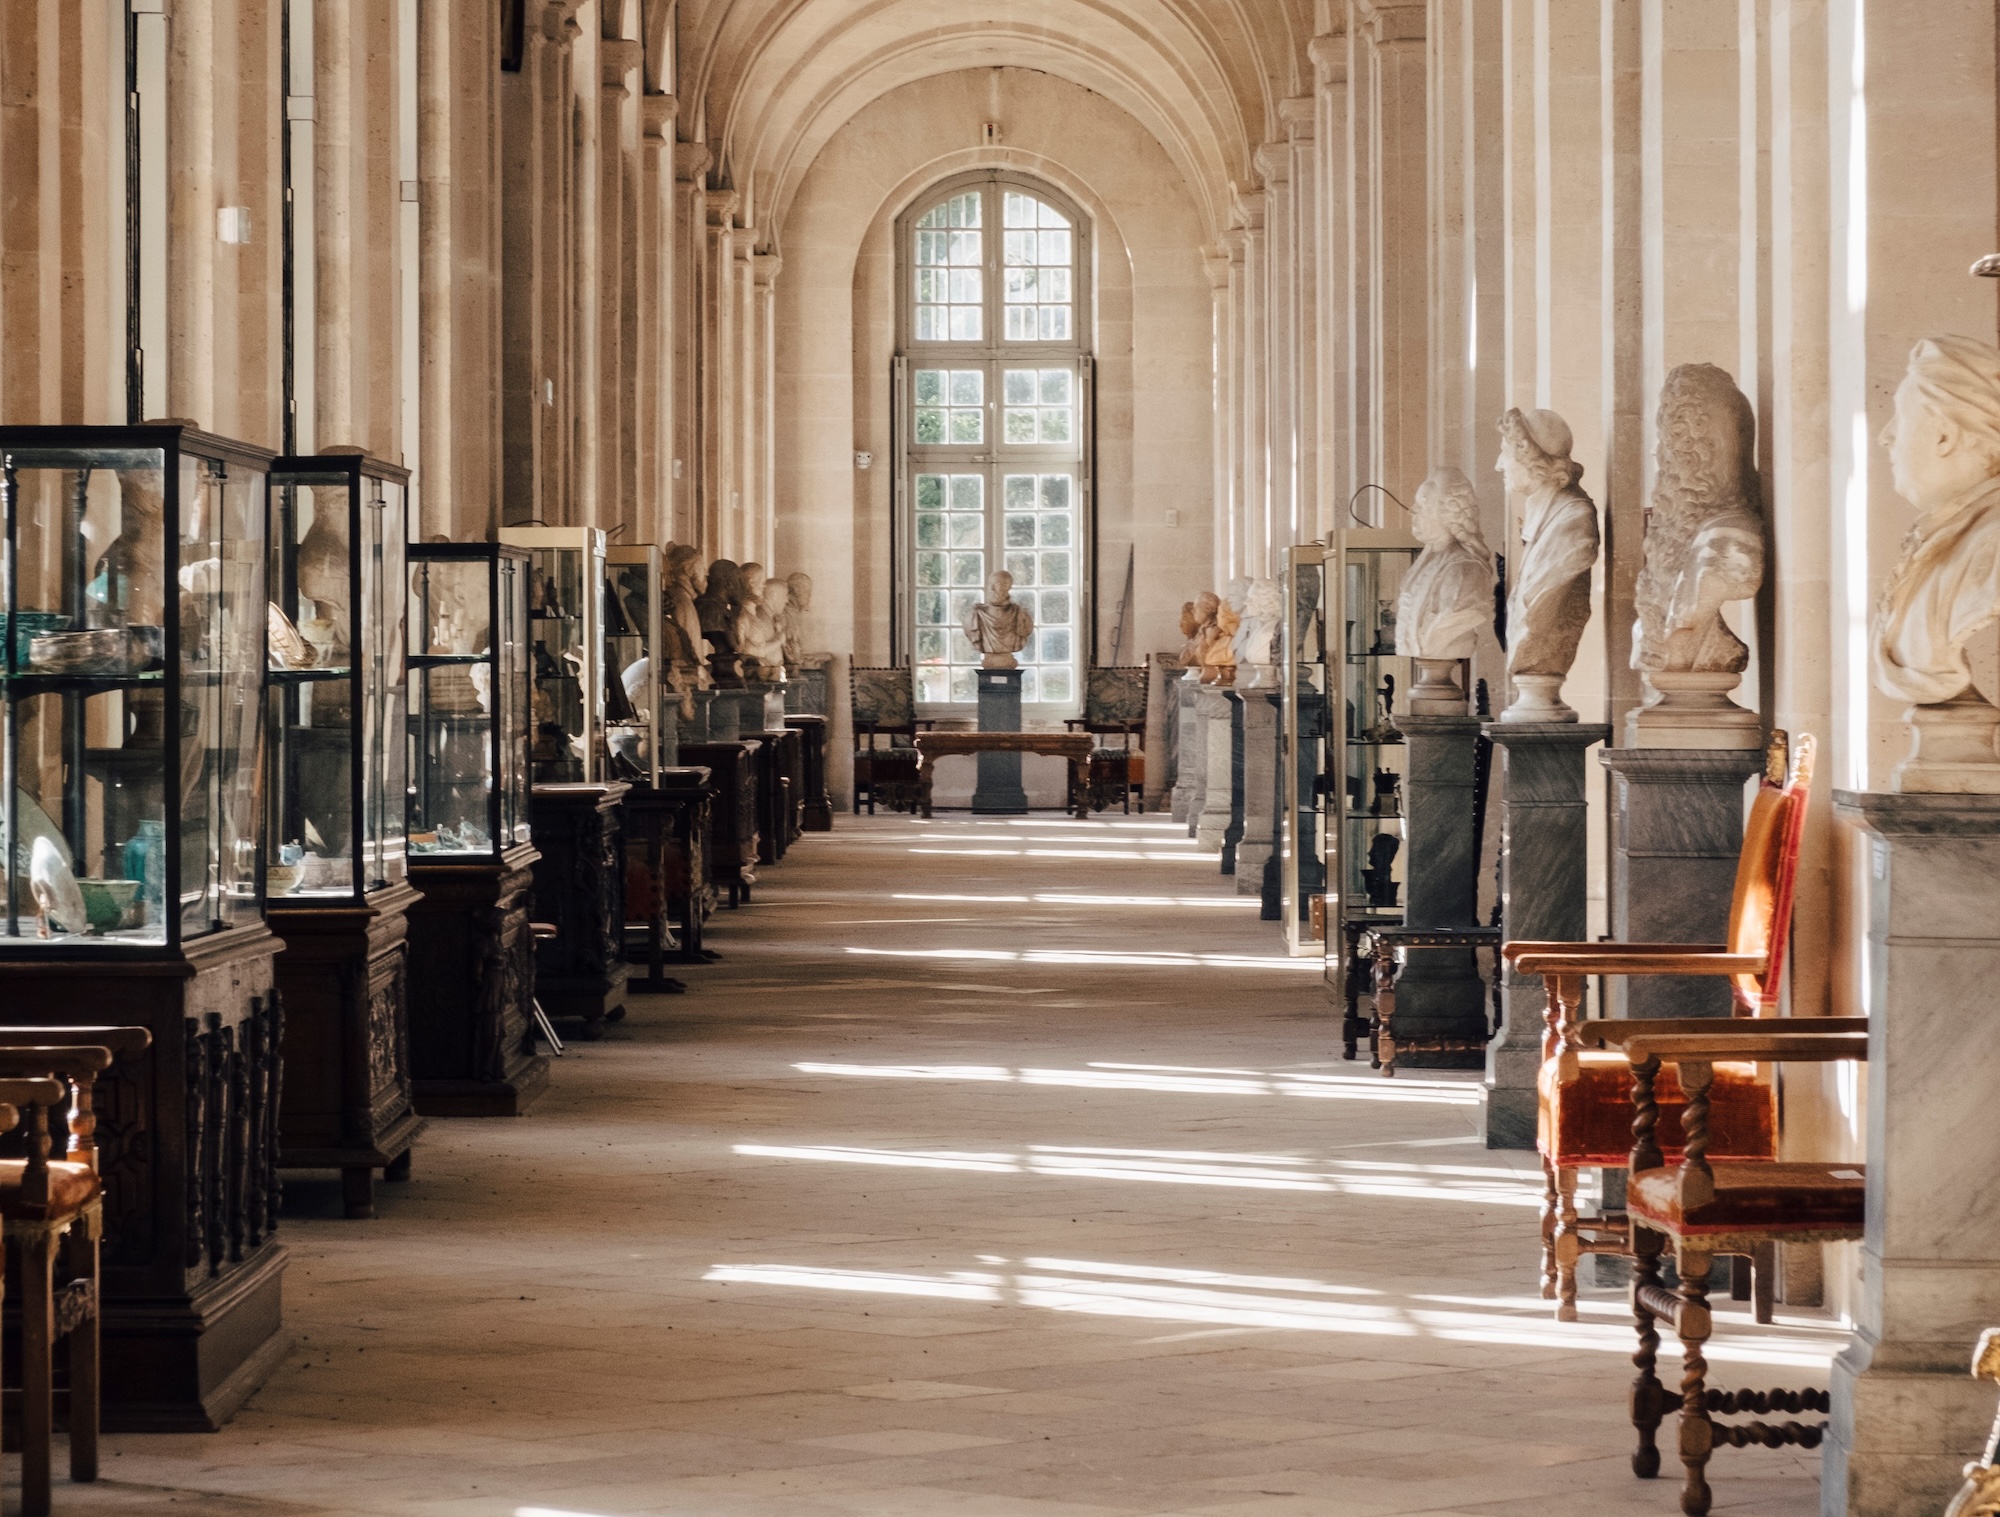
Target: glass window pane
(1055, 492)
(1055, 531)
(1019, 387)
(968, 492)
(962, 601)
(1020, 531)
(930, 645)
(931, 247)
(1028, 683)
(1021, 323)
(968, 568)
(966, 286)
(1020, 285)
(930, 530)
(967, 426)
(930, 568)
(1055, 425)
(930, 387)
(931, 607)
(1055, 323)
(1056, 386)
(930, 492)
(1057, 683)
(1020, 209)
(1019, 492)
(1022, 567)
(964, 684)
(966, 325)
(962, 651)
(1020, 426)
(1054, 284)
(965, 248)
(930, 426)
(1055, 568)
(933, 684)
(1054, 247)
(1050, 216)
(1055, 645)
(1055, 608)
(930, 324)
(968, 387)
(1021, 248)
(968, 530)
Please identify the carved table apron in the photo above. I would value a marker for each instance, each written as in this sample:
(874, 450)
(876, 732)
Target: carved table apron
(1074, 747)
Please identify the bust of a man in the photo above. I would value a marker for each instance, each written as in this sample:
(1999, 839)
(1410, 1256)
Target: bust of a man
(1257, 634)
(997, 626)
(760, 639)
(1197, 621)
(1944, 449)
(1448, 593)
(1548, 604)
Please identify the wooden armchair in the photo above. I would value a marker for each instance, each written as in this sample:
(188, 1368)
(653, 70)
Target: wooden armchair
(1114, 705)
(1586, 1110)
(1980, 1496)
(884, 704)
(42, 1201)
(1701, 1208)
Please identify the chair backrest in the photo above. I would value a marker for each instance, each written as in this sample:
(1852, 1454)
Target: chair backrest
(885, 699)
(1760, 910)
(1114, 696)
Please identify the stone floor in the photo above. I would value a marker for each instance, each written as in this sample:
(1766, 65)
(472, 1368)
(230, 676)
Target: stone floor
(1000, 1169)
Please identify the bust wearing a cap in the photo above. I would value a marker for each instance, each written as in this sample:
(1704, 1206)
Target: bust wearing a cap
(1548, 604)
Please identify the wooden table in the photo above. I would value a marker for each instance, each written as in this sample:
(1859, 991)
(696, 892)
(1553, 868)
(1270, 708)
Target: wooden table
(1075, 747)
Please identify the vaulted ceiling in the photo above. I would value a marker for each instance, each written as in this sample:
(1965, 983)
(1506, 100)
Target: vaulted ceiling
(769, 81)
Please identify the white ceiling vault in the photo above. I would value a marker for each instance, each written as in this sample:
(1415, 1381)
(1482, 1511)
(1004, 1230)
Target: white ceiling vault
(767, 82)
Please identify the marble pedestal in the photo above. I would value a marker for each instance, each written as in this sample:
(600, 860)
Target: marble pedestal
(1256, 854)
(1190, 754)
(725, 716)
(1544, 865)
(1212, 822)
(1906, 1415)
(1439, 993)
(999, 792)
(1676, 831)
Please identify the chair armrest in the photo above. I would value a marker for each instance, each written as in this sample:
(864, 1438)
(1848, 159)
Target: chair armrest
(1517, 947)
(1616, 1032)
(120, 1040)
(40, 1091)
(1765, 1047)
(1610, 958)
(29, 1061)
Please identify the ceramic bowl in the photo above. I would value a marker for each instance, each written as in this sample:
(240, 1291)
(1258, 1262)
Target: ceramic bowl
(283, 879)
(108, 902)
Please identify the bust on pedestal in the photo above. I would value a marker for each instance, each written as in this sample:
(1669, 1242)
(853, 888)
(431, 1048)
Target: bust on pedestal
(1905, 1414)
(1549, 604)
(999, 628)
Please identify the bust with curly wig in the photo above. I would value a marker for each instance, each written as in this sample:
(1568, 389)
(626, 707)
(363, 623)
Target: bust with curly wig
(1548, 602)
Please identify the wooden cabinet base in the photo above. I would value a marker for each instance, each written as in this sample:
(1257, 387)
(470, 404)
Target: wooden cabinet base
(580, 887)
(347, 1102)
(193, 1273)
(472, 980)
(816, 801)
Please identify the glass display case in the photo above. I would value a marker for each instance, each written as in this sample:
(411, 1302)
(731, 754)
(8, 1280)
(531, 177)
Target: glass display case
(632, 674)
(336, 812)
(469, 701)
(566, 610)
(1305, 776)
(133, 612)
(1362, 788)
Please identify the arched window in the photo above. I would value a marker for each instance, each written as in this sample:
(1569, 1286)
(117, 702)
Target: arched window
(993, 412)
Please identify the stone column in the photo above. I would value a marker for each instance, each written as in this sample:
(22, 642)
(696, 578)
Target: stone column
(1544, 861)
(1329, 58)
(1190, 753)
(1906, 1415)
(1209, 807)
(1257, 710)
(1439, 993)
(1676, 831)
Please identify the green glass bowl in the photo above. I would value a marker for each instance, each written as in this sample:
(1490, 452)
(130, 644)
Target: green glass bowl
(108, 903)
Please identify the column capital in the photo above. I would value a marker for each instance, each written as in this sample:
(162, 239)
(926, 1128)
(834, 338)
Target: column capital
(1299, 114)
(722, 206)
(1215, 263)
(559, 21)
(691, 161)
(765, 268)
(1246, 209)
(1328, 52)
(1389, 21)
(1274, 162)
(616, 59)
(657, 114)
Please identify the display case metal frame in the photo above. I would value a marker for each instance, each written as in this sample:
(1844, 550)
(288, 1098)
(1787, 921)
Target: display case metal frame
(578, 555)
(646, 558)
(1355, 560)
(1305, 775)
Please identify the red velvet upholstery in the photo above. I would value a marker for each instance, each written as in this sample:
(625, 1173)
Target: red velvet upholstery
(72, 1187)
(1589, 1122)
(1816, 1198)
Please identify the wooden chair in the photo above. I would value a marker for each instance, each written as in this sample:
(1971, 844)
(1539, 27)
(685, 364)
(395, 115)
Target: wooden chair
(1586, 1111)
(884, 704)
(1114, 705)
(1701, 1208)
(1980, 1496)
(42, 1202)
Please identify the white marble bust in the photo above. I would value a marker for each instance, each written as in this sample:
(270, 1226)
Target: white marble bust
(1704, 549)
(997, 626)
(1448, 594)
(1944, 449)
(760, 637)
(793, 622)
(1548, 600)
(1256, 635)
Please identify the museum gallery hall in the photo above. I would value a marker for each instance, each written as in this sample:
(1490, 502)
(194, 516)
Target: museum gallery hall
(999, 758)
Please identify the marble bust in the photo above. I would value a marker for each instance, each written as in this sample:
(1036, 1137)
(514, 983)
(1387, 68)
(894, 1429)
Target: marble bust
(1704, 549)
(1944, 451)
(1255, 645)
(681, 634)
(793, 623)
(997, 626)
(1548, 603)
(759, 630)
(1447, 596)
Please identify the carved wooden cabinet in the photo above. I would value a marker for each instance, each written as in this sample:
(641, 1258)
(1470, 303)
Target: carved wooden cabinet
(732, 833)
(336, 819)
(815, 798)
(580, 889)
(774, 763)
(665, 881)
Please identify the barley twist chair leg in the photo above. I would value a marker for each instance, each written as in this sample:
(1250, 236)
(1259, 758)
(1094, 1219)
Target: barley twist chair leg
(1568, 1249)
(1649, 1397)
(1697, 1431)
(1549, 1202)
(86, 1351)
(1764, 1283)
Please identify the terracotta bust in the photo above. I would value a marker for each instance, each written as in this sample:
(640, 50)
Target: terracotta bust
(1548, 603)
(1944, 448)
(1197, 621)
(997, 626)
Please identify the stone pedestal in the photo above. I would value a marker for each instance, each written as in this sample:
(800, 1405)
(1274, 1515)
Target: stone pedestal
(1232, 834)
(806, 690)
(1212, 810)
(999, 792)
(1544, 867)
(1257, 853)
(1676, 831)
(725, 716)
(1190, 754)
(1439, 993)
(1906, 1415)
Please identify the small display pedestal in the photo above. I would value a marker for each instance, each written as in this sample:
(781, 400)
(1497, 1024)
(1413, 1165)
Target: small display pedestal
(1000, 792)
(1439, 994)
(580, 887)
(816, 799)
(472, 974)
(1213, 811)
(1190, 755)
(1544, 854)
(1676, 833)
(1905, 1413)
